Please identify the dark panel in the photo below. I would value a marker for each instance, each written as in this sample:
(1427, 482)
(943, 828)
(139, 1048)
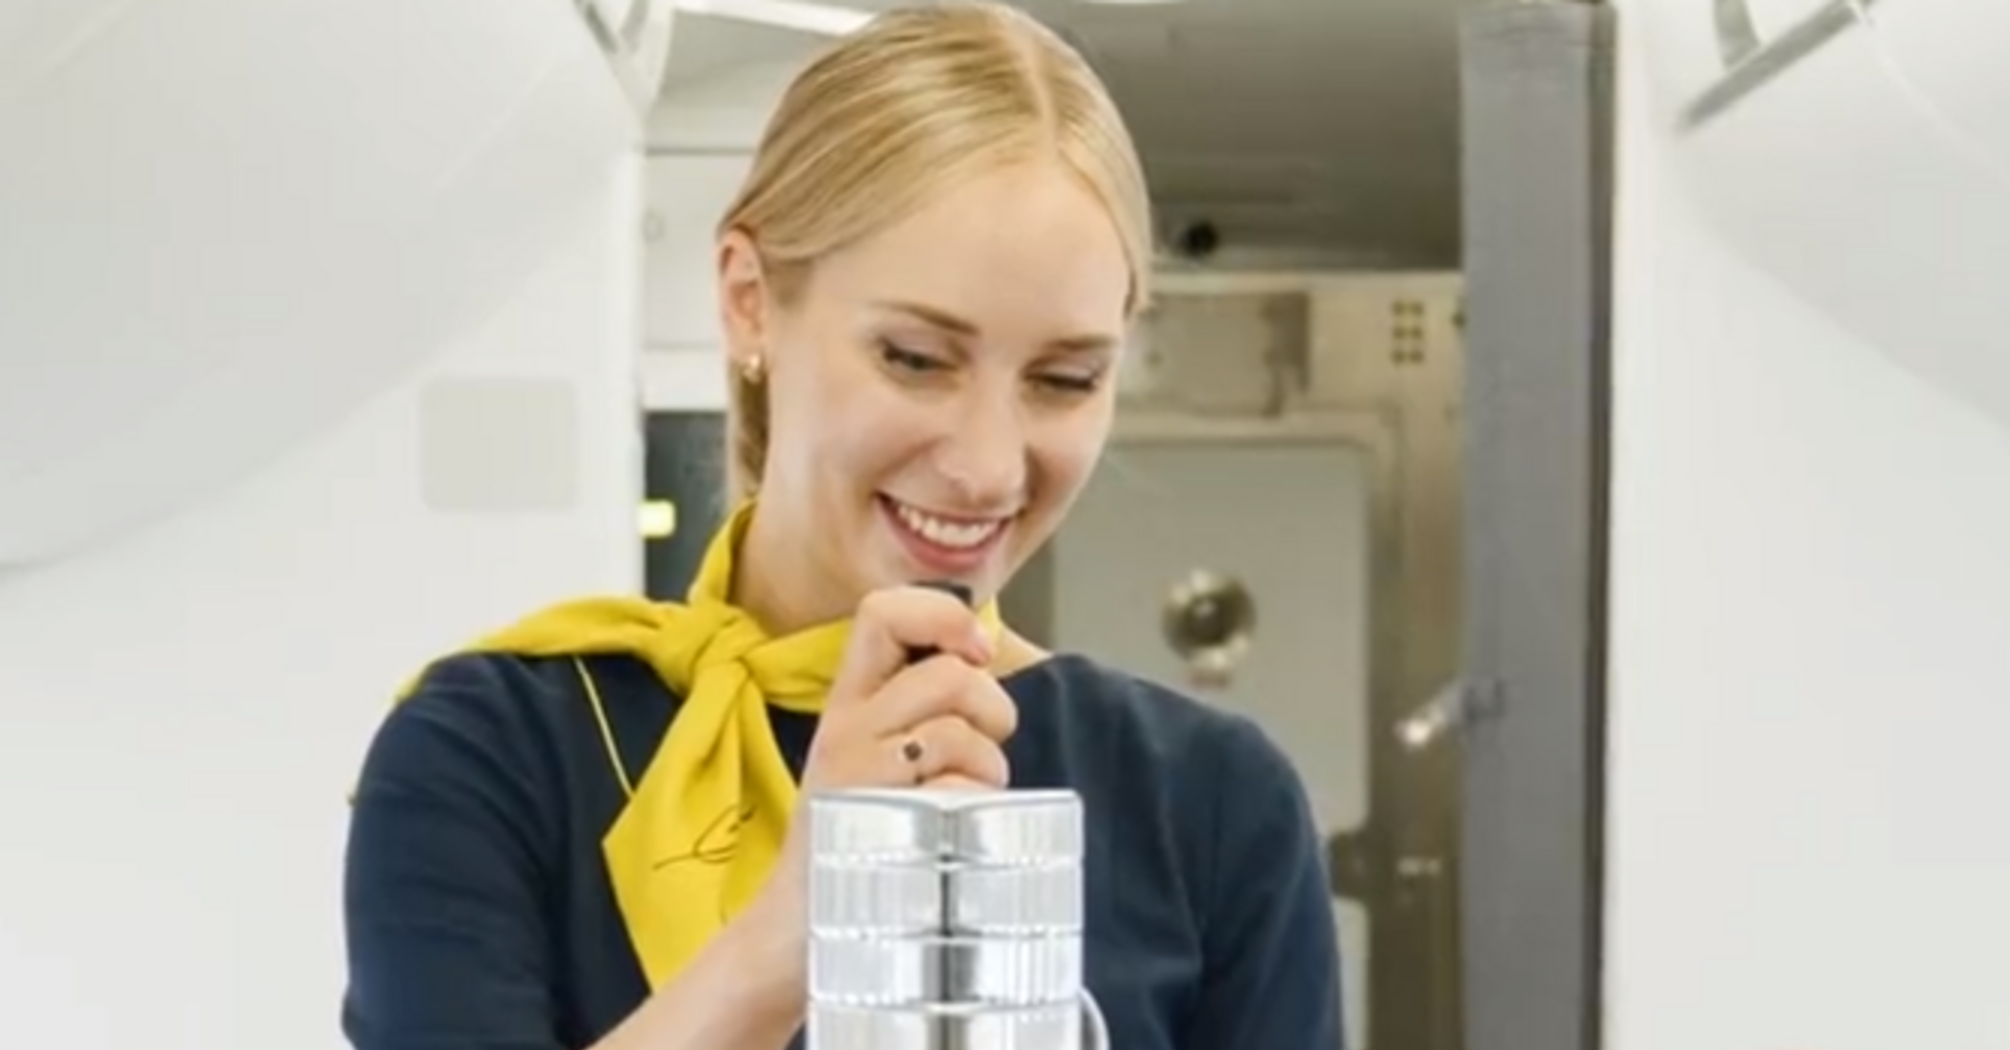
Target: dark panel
(684, 464)
(1537, 97)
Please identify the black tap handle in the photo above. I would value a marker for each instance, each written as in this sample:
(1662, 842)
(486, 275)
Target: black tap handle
(918, 653)
(955, 590)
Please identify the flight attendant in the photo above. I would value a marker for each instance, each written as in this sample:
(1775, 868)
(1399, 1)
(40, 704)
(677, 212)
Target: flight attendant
(582, 834)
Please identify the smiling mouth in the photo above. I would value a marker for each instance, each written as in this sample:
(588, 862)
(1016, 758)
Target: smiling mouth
(952, 534)
(945, 544)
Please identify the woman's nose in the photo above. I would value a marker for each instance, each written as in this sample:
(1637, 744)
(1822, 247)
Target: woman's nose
(984, 455)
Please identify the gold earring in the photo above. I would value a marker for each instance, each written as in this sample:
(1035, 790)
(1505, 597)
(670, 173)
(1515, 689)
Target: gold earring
(751, 369)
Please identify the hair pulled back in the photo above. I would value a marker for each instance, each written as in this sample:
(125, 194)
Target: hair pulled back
(917, 101)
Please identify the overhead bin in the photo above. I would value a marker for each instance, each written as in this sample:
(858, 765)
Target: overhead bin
(225, 224)
(1855, 150)
(1955, 54)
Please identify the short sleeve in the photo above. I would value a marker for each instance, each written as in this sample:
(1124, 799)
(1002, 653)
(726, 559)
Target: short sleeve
(445, 876)
(1271, 957)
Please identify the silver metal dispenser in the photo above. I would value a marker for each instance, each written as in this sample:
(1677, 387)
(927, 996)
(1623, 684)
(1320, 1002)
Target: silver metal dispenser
(948, 920)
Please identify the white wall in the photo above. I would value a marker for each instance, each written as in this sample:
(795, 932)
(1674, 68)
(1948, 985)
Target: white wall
(1809, 692)
(228, 222)
(187, 704)
(255, 253)
(185, 708)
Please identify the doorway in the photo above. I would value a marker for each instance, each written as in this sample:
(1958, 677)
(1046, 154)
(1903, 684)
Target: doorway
(1393, 466)
(1297, 560)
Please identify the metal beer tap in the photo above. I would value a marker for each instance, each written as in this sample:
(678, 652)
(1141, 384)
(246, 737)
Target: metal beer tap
(948, 920)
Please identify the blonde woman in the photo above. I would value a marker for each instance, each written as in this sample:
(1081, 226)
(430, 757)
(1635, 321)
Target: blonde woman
(581, 834)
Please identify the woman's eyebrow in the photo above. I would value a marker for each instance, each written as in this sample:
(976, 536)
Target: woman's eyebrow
(949, 322)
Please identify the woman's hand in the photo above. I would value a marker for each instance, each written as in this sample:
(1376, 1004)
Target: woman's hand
(893, 721)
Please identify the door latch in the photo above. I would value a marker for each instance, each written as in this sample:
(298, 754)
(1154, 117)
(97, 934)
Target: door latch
(1456, 707)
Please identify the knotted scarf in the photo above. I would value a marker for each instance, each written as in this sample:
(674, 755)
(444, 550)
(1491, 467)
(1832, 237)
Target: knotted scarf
(705, 824)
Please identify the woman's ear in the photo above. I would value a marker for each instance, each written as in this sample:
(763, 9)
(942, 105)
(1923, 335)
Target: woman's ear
(743, 298)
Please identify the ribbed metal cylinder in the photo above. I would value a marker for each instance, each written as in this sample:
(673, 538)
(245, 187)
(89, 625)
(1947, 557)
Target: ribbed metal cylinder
(945, 920)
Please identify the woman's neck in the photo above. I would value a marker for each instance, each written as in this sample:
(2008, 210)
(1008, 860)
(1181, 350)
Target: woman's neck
(772, 588)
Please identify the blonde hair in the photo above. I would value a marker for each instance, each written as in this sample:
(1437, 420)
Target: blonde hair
(899, 111)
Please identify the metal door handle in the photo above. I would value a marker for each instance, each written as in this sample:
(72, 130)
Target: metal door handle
(1451, 709)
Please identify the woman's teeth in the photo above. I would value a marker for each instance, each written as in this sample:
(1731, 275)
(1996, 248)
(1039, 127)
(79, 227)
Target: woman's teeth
(953, 534)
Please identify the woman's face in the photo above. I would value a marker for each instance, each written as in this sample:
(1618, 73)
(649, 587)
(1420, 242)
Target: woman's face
(939, 392)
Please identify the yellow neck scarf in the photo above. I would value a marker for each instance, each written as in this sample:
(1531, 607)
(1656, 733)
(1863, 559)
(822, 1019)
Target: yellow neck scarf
(705, 825)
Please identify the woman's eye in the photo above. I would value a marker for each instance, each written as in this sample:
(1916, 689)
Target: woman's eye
(906, 360)
(1070, 384)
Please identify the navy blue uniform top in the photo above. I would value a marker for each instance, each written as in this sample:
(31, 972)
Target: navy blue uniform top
(480, 917)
